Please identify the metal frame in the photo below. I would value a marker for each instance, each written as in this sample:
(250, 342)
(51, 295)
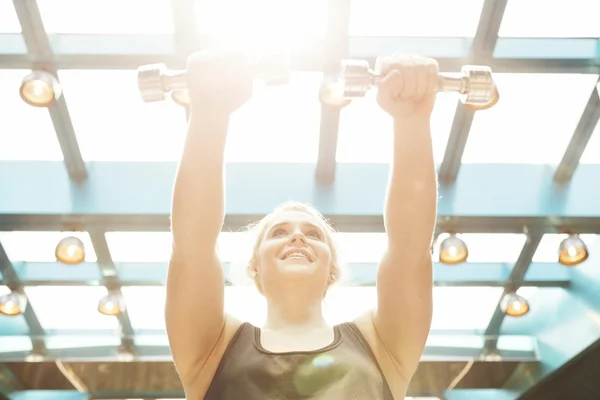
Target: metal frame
(37, 42)
(10, 278)
(516, 280)
(335, 49)
(579, 141)
(541, 208)
(481, 50)
(117, 275)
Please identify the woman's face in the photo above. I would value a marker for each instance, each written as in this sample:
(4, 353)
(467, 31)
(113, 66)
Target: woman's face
(294, 246)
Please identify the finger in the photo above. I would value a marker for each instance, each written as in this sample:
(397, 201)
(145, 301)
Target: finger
(390, 87)
(421, 77)
(409, 76)
(382, 65)
(432, 77)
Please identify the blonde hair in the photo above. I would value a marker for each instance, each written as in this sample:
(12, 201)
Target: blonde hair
(257, 230)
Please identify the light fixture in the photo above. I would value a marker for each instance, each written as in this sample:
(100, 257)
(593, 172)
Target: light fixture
(181, 97)
(572, 251)
(13, 304)
(453, 250)
(514, 305)
(40, 89)
(70, 250)
(112, 305)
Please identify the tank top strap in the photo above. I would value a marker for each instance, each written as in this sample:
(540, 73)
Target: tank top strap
(242, 339)
(352, 336)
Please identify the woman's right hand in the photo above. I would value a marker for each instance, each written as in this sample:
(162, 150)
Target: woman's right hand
(218, 83)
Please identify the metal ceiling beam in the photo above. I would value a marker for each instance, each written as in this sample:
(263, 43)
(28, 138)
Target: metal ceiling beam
(470, 274)
(133, 196)
(110, 279)
(10, 278)
(114, 51)
(482, 49)
(517, 276)
(458, 347)
(40, 50)
(579, 141)
(334, 50)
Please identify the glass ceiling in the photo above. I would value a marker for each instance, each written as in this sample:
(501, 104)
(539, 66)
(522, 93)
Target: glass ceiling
(533, 124)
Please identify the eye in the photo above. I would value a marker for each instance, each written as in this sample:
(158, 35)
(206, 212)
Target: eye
(314, 233)
(278, 231)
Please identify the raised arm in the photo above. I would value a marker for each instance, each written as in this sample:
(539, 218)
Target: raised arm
(194, 311)
(405, 281)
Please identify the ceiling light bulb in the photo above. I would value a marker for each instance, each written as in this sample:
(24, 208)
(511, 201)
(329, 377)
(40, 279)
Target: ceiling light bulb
(13, 304)
(70, 250)
(514, 305)
(572, 251)
(40, 89)
(453, 250)
(111, 305)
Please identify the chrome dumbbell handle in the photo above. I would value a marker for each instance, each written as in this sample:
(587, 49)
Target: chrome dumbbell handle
(475, 83)
(156, 80)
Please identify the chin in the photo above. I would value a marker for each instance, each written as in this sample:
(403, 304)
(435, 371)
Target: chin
(287, 267)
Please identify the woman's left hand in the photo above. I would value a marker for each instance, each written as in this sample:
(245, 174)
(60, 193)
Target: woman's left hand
(408, 87)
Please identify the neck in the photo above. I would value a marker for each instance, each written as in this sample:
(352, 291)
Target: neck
(293, 312)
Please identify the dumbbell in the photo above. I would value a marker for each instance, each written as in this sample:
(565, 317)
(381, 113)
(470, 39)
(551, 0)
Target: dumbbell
(156, 80)
(474, 84)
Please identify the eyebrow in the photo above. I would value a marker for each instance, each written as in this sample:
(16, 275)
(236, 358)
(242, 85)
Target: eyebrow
(280, 224)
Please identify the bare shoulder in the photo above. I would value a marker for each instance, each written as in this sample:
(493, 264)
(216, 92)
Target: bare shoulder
(397, 383)
(197, 388)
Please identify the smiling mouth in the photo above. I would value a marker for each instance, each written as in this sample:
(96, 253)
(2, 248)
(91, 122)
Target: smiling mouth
(296, 255)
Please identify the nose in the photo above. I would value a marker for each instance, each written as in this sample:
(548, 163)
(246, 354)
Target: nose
(297, 237)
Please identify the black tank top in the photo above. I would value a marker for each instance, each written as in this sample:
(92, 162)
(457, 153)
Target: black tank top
(344, 370)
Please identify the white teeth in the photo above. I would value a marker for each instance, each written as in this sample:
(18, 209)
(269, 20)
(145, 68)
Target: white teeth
(296, 254)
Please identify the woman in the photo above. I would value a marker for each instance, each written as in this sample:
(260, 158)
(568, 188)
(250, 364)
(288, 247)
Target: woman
(296, 355)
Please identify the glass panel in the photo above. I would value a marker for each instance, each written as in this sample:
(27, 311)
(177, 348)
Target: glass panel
(547, 251)
(365, 134)
(73, 341)
(139, 246)
(464, 308)
(9, 344)
(9, 23)
(591, 155)
(53, 271)
(151, 340)
(70, 307)
(535, 111)
(515, 342)
(113, 124)
(279, 123)
(468, 308)
(107, 16)
(266, 24)
(235, 246)
(361, 247)
(145, 306)
(488, 247)
(564, 18)
(547, 306)
(454, 308)
(26, 133)
(11, 325)
(40, 246)
(458, 18)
